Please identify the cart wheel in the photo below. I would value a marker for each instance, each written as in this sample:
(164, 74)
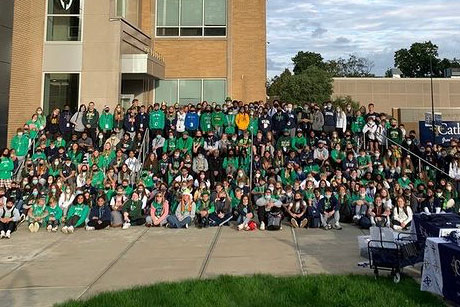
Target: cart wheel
(376, 273)
(397, 277)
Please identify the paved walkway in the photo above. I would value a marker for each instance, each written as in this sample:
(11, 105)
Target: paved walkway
(44, 268)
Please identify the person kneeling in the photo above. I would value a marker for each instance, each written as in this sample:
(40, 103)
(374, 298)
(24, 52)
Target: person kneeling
(133, 212)
(9, 217)
(99, 216)
(185, 213)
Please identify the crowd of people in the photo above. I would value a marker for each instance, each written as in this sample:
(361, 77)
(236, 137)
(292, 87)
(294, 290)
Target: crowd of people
(250, 165)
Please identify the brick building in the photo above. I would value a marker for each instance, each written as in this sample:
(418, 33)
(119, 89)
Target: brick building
(112, 51)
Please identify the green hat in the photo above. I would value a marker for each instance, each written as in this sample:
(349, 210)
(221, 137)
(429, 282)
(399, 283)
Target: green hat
(205, 192)
(228, 99)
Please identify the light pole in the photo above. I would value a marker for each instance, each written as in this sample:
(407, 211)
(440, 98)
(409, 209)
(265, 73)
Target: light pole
(432, 101)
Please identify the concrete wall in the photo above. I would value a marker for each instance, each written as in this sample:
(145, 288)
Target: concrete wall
(6, 34)
(388, 93)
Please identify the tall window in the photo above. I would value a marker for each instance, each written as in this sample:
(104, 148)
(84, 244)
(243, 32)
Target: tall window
(190, 91)
(61, 90)
(191, 17)
(63, 20)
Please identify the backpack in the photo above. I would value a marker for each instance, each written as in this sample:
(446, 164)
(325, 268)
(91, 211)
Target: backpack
(365, 222)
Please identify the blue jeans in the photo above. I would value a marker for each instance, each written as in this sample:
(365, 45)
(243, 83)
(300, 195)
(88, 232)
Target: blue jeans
(175, 223)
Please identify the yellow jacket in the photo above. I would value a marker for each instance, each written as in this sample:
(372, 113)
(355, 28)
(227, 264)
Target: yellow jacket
(242, 121)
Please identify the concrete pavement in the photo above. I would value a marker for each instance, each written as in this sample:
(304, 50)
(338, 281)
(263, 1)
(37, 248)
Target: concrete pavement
(45, 268)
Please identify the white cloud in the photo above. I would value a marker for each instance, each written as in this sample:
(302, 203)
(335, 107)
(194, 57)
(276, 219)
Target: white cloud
(371, 28)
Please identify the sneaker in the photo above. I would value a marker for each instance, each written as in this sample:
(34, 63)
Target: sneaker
(186, 226)
(65, 229)
(240, 227)
(325, 227)
(54, 229)
(167, 225)
(70, 229)
(246, 228)
(126, 225)
(397, 227)
(262, 226)
(90, 228)
(49, 227)
(31, 227)
(2, 234)
(281, 227)
(337, 227)
(304, 223)
(8, 234)
(294, 223)
(36, 227)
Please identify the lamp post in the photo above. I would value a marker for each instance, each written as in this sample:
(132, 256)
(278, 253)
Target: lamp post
(433, 122)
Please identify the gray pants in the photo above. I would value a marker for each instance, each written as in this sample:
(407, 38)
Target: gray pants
(332, 220)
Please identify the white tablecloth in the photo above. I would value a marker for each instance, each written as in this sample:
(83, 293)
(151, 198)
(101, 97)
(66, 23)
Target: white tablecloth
(432, 275)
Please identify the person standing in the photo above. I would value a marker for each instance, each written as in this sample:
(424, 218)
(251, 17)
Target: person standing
(91, 120)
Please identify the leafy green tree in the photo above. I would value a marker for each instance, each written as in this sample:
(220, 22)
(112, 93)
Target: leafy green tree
(352, 67)
(313, 85)
(415, 61)
(304, 60)
(278, 82)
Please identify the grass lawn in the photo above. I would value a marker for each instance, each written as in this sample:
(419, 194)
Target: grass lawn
(262, 290)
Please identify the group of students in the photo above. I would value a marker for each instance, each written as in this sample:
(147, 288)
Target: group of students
(253, 165)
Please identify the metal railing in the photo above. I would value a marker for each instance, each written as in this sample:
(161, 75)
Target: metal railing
(420, 159)
(143, 152)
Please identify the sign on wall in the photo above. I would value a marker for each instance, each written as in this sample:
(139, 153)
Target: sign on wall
(444, 132)
(429, 119)
(66, 4)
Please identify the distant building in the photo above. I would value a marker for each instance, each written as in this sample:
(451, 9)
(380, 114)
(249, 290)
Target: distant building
(452, 73)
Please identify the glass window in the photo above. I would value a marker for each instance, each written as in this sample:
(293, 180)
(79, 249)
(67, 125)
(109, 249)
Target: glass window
(61, 90)
(215, 31)
(192, 13)
(64, 7)
(191, 31)
(215, 13)
(63, 20)
(185, 18)
(63, 28)
(166, 91)
(214, 90)
(167, 13)
(189, 91)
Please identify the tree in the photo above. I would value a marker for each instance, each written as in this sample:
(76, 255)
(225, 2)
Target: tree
(415, 61)
(304, 60)
(278, 82)
(352, 67)
(313, 85)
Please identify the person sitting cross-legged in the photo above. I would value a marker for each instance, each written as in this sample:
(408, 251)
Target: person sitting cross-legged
(133, 213)
(184, 214)
(77, 214)
(99, 216)
(222, 210)
(159, 211)
(297, 210)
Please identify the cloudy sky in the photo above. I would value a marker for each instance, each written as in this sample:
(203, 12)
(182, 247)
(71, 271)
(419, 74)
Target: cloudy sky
(369, 28)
